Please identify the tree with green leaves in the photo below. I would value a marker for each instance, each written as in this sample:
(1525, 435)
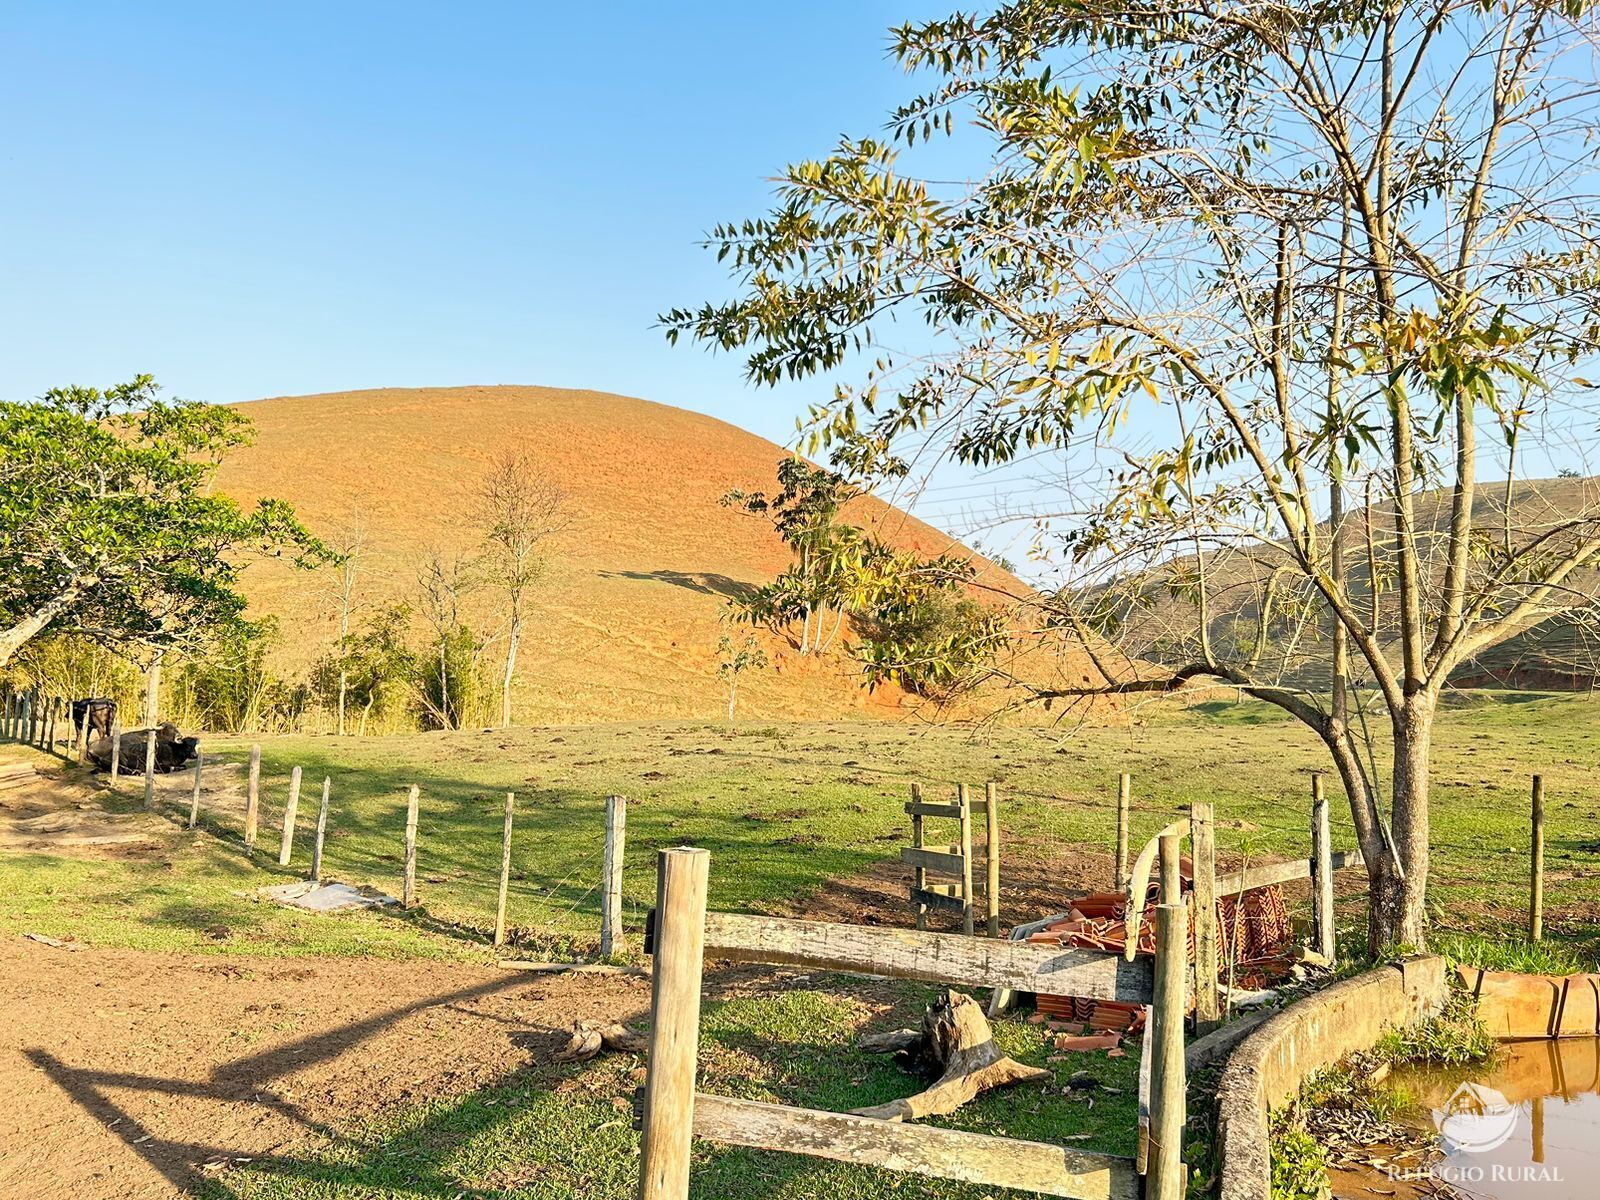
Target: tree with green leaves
(1289, 293)
(805, 513)
(109, 527)
(373, 665)
(734, 660)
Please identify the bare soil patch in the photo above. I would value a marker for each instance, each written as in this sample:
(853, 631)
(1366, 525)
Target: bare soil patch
(72, 812)
(131, 1074)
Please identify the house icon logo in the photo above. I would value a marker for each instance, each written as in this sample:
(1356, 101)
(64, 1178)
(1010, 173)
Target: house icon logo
(1475, 1119)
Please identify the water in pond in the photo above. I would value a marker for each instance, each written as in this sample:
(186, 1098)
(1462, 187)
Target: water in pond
(1524, 1127)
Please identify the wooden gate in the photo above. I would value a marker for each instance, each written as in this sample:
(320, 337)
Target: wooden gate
(684, 933)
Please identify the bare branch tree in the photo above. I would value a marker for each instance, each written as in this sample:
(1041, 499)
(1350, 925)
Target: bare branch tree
(520, 511)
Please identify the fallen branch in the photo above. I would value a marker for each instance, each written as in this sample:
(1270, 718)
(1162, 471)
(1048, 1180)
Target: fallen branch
(955, 1040)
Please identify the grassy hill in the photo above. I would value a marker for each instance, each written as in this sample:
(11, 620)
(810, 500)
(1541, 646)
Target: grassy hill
(626, 623)
(1561, 652)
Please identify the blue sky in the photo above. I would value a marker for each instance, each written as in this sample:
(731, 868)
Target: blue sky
(263, 200)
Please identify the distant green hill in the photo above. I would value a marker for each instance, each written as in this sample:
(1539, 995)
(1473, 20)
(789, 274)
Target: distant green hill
(1560, 652)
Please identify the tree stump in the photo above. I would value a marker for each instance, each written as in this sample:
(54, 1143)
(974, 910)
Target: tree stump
(957, 1042)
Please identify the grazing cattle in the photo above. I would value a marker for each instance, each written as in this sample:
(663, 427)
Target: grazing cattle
(99, 712)
(172, 751)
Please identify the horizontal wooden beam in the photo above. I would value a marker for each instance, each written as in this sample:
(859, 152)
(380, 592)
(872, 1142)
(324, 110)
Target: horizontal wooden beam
(916, 1149)
(939, 957)
(1268, 874)
(946, 896)
(932, 860)
(921, 808)
(1264, 875)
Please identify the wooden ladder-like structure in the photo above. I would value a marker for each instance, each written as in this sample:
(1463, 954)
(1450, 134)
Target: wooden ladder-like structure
(955, 860)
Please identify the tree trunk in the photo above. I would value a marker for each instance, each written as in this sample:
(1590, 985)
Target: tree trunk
(344, 687)
(512, 643)
(733, 695)
(1399, 911)
(25, 630)
(444, 683)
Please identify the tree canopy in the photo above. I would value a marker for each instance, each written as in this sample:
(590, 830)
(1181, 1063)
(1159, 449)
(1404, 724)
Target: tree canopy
(108, 524)
(1239, 269)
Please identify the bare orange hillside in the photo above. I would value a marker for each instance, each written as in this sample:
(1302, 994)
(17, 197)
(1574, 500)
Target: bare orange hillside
(625, 624)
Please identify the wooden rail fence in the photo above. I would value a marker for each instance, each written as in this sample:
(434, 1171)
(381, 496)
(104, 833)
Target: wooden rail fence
(1209, 887)
(683, 934)
(955, 860)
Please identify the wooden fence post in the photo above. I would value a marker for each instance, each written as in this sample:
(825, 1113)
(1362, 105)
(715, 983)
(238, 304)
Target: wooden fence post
(664, 1144)
(964, 801)
(1326, 943)
(991, 856)
(1202, 832)
(1124, 804)
(505, 872)
(55, 711)
(409, 895)
(194, 798)
(322, 831)
(252, 800)
(286, 845)
(1168, 1107)
(150, 767)
(81, 739)
(1165, 1050)
(1536, 865)
(5, 720)
(919, 875)
(116, 752)
(611, 885)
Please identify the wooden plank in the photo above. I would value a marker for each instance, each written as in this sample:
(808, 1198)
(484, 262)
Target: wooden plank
(1264, 875)
(938, 957)
(933, 897)
(953, 811)
(932, 860)
(916, 1149)
(1348, 858)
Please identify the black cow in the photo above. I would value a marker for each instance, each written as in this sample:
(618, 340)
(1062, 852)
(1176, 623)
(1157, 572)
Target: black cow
(99, 712)
(172, 751)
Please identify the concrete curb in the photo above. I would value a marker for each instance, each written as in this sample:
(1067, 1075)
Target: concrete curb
(1269, 1066)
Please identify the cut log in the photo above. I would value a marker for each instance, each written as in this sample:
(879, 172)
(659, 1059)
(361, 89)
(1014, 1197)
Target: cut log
(591, 1037)
(956, 1041)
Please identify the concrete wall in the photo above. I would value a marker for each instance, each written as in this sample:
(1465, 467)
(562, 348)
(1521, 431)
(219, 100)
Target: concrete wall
(1268, 1068)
